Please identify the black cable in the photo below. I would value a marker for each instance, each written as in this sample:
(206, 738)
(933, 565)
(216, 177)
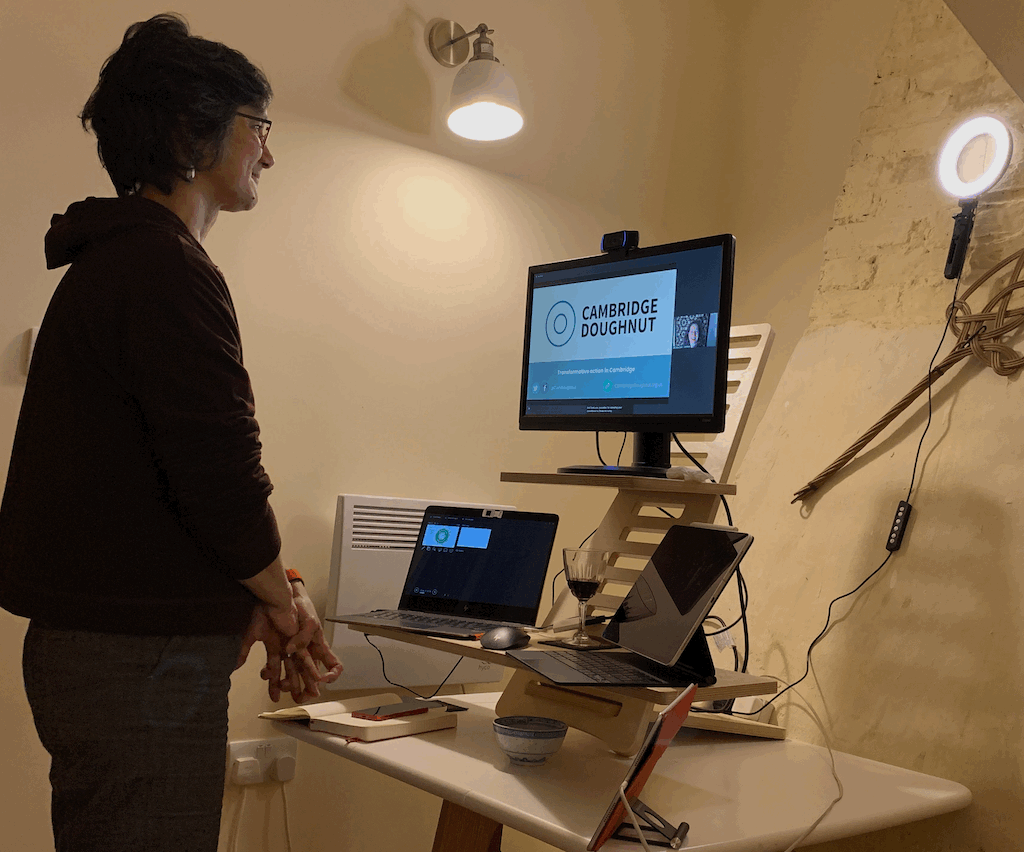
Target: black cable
(741, 586)
(726, 705)
(744, 602)
(818, 638)
(384, 672)
(931, 365)
(722, 705)
(597, 442)
(910, 490)
(725, 504)
(560, 573)
(723, 629)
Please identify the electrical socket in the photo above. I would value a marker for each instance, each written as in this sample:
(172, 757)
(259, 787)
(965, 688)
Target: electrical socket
(256, 761)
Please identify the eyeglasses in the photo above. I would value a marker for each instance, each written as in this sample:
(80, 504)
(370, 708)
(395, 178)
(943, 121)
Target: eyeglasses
(263, 131)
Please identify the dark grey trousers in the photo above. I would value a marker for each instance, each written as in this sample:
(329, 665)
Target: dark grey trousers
(136, 727)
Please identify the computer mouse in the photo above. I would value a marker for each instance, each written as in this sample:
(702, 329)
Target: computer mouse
(504, 638)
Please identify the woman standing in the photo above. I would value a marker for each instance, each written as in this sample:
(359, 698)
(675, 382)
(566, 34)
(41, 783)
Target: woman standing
(135, 530)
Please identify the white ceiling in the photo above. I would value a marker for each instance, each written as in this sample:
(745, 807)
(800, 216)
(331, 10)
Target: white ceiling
(998, 28)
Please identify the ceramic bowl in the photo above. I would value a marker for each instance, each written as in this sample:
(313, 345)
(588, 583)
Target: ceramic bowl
(529, 740)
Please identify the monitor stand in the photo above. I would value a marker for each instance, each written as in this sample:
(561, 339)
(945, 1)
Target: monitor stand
(651, 457)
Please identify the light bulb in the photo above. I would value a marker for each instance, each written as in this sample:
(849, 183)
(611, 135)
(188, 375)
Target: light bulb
(485, 121)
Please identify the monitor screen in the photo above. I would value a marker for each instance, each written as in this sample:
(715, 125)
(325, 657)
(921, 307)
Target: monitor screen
(633, 341)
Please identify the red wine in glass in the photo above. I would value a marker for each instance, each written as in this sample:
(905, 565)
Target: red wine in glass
(583, 590)
(584, 571)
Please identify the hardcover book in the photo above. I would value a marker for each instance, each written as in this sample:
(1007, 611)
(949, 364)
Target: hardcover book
(335, 717)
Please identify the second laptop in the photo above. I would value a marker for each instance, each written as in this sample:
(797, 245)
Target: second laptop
(471, 570)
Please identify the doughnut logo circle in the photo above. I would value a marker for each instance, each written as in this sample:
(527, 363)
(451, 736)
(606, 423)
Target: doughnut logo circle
(441, 536)
(560, 323)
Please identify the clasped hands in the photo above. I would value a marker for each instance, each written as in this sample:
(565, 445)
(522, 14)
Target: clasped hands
(295, 643)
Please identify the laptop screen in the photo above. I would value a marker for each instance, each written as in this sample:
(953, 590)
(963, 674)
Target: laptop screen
(481, 563)
(676, 590)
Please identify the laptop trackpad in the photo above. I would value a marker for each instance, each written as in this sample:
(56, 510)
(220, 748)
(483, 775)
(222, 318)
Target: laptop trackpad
(542, 663)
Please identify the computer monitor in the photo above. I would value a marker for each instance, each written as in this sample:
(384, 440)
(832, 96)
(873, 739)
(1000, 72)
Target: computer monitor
(630, 341)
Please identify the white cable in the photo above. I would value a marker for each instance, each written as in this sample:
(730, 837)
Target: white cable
(632, 817)
(287, 826)
(238, 821)
(832, 760)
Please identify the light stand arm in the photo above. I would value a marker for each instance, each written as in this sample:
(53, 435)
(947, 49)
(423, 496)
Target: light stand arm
(962, 227)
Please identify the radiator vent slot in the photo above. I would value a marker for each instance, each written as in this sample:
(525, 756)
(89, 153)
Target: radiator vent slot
(385, 527)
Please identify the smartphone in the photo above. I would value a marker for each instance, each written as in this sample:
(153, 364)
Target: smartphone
(395, 711)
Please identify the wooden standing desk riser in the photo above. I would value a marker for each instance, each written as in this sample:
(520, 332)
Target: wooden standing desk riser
(631, 531)
(633, 526)
(618, 716)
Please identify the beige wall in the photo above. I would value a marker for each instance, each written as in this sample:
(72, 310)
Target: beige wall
(386, 261)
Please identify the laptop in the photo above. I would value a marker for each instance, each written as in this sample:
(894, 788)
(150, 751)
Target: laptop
(657, 627)
(471, 570)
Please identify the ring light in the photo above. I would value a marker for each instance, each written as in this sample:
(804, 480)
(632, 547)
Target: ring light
(958, 141)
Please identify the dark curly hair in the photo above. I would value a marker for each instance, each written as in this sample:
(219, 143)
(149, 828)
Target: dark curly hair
(166, 101)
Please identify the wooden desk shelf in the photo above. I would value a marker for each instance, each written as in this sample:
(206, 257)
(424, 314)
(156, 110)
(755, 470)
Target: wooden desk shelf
(618, 716)
(633, 483)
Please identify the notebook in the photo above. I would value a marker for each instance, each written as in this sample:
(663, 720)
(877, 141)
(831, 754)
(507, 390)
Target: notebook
(471, 570)
(657, 628)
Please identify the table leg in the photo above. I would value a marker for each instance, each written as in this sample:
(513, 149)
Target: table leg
(462, 830)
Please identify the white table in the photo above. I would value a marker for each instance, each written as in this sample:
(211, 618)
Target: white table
(738, 794)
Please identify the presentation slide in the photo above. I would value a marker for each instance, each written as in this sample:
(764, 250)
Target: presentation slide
(446, 537)
(603, 339)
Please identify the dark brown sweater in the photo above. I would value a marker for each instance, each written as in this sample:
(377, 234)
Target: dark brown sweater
(135, 499)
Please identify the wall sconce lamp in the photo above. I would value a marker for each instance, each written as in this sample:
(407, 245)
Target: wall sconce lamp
(972, 161)
(484, 103)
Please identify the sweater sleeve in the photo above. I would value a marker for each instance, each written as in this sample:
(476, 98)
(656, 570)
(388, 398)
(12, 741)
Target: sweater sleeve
(183, 355)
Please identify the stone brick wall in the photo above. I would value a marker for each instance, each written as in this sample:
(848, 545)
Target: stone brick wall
(922, 666)
(886, 249)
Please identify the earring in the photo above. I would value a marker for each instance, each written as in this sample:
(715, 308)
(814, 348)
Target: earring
(190, 174)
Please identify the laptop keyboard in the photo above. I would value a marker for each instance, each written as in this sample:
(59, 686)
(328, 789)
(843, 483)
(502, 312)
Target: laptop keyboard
(601, 667)
(413, 619)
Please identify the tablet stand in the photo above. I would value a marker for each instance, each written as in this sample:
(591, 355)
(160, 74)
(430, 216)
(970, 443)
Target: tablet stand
(656, 830)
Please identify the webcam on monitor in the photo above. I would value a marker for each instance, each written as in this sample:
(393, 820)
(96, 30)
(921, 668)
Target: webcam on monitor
(620, 241)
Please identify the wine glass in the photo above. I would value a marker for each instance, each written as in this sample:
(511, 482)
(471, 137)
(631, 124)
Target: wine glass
(584, 570)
